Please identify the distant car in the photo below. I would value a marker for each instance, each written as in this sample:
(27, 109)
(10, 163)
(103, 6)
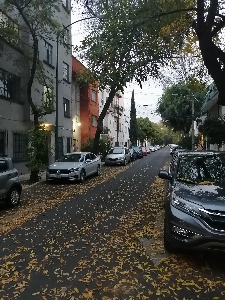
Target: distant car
(10, 185)
(118, 156)
(138, 150)
(133, 154)
(75, 166)
(148, 150)
(144, 151)
(152, 148)
(194, 201)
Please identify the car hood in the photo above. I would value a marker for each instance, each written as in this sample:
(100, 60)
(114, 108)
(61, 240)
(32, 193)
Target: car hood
(114, 155)
(210, 196)
(65, 165)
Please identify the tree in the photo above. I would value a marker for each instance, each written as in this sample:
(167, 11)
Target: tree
(195, 25)
(146, 130)
(214, 129)
(38, 24)
(175, 105)
(133, 122)
(117, 50)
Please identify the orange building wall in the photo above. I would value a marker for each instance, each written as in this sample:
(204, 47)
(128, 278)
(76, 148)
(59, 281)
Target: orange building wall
(88, 107)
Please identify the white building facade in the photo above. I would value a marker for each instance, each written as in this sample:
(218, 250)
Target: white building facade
(15, 112)
(116, 122)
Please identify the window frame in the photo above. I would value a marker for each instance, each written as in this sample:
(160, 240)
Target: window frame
(67, 71)
(92, 118)
(20, 146)
(66, 108)
(10, 85)
(48, 53)
(2, 142)
(66, 35)
(93, 92)
(8, 22)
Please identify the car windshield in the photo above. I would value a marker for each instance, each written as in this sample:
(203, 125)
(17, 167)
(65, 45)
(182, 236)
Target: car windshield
(201, 169)
(136, 148)
(72, 158)
(116, 151)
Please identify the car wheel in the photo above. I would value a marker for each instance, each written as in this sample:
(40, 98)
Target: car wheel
(82, 176)
(167, 245)
(13, 197)
(98, 172)
(125, 162)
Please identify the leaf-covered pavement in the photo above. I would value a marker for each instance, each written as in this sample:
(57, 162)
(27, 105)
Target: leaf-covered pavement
(113, 250)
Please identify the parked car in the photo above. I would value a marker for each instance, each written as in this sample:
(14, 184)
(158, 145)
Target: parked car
(194, 201)
(118, 156)
(133, 154)
(152, 148)
(144, 151)
(74, 166)
(148, 150)
(10, 185)
(138, 150)
(175, 149)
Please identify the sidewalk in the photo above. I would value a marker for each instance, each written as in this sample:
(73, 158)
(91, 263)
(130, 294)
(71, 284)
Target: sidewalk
(25, 178)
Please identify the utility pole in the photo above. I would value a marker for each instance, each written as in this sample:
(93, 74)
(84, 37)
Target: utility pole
(118, 125)
(193, 124)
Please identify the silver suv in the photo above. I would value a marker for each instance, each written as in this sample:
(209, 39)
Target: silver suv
(10, 186)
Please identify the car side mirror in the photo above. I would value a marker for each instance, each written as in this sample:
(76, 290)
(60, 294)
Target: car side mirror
(88, 161)
(164, 174)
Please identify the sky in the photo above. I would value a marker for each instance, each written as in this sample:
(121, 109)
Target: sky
(148, 95)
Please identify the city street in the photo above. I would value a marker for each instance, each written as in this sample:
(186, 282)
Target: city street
(101, 240)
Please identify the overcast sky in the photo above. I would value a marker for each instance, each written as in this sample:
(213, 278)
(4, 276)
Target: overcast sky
(148, 95)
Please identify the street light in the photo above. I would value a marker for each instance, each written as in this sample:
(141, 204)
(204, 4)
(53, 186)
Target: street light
(57, 84)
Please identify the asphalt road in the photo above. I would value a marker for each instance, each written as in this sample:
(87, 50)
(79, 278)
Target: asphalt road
(105, 243)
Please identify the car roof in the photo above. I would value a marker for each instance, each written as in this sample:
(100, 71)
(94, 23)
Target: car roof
(199, 152)
(70, 153)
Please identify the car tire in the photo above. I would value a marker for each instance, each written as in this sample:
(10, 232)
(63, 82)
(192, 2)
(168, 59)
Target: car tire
(13, 197)
(125, 162)
(167, 245)
(98, 172)
(82, 176)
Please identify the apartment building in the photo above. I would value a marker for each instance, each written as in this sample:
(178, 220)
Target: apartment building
(15, 112)
(211, 108)
(115, 123)
(87, 107)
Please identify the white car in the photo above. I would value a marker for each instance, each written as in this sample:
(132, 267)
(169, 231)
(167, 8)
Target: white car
(74, 166)
(118, 156)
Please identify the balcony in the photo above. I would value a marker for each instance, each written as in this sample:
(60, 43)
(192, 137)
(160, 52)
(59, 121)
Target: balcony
(210, 98)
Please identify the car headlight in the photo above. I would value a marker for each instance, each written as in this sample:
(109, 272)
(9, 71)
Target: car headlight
(186, 206)
(73, 170)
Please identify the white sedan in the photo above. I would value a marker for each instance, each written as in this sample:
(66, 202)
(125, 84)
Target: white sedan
(74, 166)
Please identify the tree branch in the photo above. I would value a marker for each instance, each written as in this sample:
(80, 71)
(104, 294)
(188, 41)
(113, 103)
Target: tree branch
(219, 26)
(212, 13)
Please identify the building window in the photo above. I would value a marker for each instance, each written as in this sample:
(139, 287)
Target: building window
(94, 96)
(65, 3)
(66, 105)
(2, 143)
(20, 145)
(94, 121)
(66, 36)
(48, 97)
(68, 145)
(65, 71)
(60, 146)
(9, 85)
(48, 53)
(9, 29)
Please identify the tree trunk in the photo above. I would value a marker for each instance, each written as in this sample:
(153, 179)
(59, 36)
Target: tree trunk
(34, 173)
(101, 118)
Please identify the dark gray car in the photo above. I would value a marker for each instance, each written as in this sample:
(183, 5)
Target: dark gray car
(10, 186)
(195, 201)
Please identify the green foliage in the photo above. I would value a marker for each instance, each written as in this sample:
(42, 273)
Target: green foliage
(175, 105)
(104, 146)
(214, 129)
(38, 148)
(133, 122)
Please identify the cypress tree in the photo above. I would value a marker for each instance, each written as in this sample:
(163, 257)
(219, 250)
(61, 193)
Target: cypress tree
(133, 122)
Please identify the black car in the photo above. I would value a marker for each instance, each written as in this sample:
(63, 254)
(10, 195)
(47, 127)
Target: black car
(138, 150)
(195, 201)
(133, 154)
